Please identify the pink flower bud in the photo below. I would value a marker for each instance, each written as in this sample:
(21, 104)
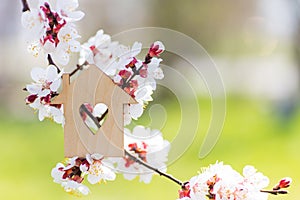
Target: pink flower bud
(134, 84)
(283, 183)
(125, 74)
(143, 73)
(94, 49)
(156, 49)
(132, 63)
(185, 191)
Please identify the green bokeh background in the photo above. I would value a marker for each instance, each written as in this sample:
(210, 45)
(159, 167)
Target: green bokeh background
(250, 136)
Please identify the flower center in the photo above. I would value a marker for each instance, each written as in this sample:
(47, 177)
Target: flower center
(96, 168)
(54, 24)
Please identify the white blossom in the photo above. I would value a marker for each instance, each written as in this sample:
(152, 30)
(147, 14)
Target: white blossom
(75, 188)
(99, 169)
(156, 49)
(221, 182)
(101, 51)
(57, 173)
(67, 9)
(117, 61)
(69, 186)
(149, 146)
(48, 111)
(52, 31)
(45, 81)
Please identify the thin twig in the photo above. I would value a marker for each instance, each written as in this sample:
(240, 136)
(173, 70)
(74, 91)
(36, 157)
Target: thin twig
(25, 6)
(83, 109)
(51, 62)
(78, 67)
(275, 192)
(133, 75)
(136, 72)
(102, 116)
(168, 176)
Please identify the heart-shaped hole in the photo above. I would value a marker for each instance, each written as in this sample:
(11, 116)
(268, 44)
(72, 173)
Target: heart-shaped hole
(93, 117)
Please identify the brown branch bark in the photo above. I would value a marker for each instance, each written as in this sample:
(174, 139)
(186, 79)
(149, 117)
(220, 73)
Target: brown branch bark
(136, 72)
(168, 176)
(51, 62)
(25, 6)
(275, 192)
(78, 68)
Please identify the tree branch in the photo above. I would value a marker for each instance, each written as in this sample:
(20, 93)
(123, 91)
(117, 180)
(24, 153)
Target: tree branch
(78, 67)
(133, 75)
(83, 109)
(136, 72)
(168, 176)
(51, 62)
(25, 6)
(275, 192)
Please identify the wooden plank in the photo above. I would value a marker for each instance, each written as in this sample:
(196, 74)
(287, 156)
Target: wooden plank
(93, 86)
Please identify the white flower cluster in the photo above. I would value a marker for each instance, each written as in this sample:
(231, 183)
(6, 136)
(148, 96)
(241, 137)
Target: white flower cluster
(147, 145)
(45, 86)
(71, 175)
(52, 30)
(221, 182)
(120, 62)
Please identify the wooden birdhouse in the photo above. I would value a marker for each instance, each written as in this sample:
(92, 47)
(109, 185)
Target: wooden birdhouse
(91, 87)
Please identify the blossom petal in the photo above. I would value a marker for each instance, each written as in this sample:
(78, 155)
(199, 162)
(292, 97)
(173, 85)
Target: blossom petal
(93, 179)
(146, 178)
(55, 85)
(129, 176)
(136, 49)
(51, 73)
(33, 88)
(57, 115)
(76, 15)
(97, 156)
(127, 119)
(42, 114)
(38, 74)
(99, 109)
(57, 174)
(61, 56)
(136, 110)
(44, 92)
(108, 174)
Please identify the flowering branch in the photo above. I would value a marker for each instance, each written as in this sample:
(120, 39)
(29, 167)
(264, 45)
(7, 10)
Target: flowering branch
(283, 183)
(126, 83)
(155, 50)
(137, 72)
(168, 176)
(25, 6)
(132, 157)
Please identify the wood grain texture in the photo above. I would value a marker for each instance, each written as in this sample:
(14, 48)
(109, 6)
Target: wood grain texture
(93, 86)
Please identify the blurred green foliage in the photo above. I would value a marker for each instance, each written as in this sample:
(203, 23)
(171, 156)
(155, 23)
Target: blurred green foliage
(250, 136)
